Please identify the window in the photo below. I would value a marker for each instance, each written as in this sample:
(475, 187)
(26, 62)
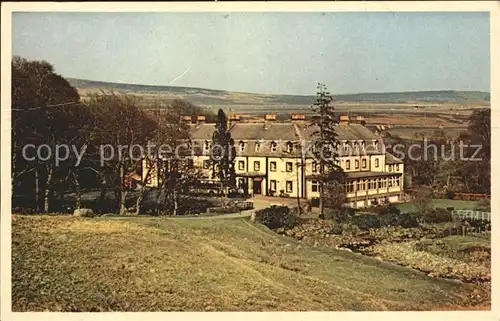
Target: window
(356, 146)
(272, 185)
(257, 147)
(363, 145)
(347, 164)
(397, 182)
(356, 164)
(289, 147)
(274, 147)
(375, 144)
(349, 187)
(359, 186)
(346, 147)
(242, 146)
(379, 183)
(272, 166)
(376, 163)
(314, 167)
(241, 165)
(289, 186)
(364, 163)
(190, 163)
(397, 167)
(206, 164)
(391, 180)
(289, 166)
(315, 186)
(206, 146)
(390, 168)
(256, 166)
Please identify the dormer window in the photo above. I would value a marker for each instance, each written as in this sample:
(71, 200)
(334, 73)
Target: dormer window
(375, 144)
(289, 147)
(356, 146)
(242, 146)
(345, 146)
(274, 147)
(257, 146)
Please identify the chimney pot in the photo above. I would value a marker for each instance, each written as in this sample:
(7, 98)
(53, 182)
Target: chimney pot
(271, 117)
(298, 117)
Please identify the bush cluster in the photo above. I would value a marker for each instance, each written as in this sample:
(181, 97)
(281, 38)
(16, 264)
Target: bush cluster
(384, 216)
(436, 215)
(275, 217)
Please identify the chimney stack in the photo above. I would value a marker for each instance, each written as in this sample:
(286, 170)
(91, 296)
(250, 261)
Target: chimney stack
(270, 117)
(298, 117)
(234, 117)
(200, 119)
(186, 119)
(344, 120)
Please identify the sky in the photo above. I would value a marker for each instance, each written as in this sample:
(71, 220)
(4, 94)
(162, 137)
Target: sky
(275, 53)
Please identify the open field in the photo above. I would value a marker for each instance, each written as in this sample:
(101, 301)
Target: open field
(62, 263)
(443, 203)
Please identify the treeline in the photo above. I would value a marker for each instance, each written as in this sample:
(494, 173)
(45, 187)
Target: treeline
(459, 165)
(58, 139)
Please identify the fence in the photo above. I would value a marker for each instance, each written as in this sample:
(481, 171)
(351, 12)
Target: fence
(476, 215)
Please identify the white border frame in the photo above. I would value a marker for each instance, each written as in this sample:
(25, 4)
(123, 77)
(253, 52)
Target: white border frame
(493, 7)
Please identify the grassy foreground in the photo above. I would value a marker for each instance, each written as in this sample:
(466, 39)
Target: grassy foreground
(158, 264)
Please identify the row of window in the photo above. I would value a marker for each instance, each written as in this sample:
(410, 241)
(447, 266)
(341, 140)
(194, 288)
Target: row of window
(290, 146)
(288, 186)
(393, 167)
(371, 184)
(348, 164)
(289, 165)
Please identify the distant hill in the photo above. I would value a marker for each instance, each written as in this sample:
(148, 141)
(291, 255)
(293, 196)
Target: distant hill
(203, 96)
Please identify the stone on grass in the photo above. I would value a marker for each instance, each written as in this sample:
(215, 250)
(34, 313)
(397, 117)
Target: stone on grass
(83, 212)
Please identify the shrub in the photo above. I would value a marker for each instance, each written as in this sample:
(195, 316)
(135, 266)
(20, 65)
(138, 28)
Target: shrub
(339, 214)
(405, 220)
(275, 217)
(436, 215)
(365, 221)
(350, 229)
(337, 229)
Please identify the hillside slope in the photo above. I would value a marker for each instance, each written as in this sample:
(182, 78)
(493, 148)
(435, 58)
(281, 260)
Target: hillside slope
(220, 97)
(152, 264)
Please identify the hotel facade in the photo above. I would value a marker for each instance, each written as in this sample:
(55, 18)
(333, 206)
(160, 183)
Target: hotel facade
(274, 158)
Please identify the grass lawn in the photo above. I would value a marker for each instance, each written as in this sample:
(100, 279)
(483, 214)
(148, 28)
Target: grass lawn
(443, 203)
(159, 264)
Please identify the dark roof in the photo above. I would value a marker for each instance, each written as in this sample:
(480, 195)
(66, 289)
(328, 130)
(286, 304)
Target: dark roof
(391, 159)
(264, 131)
(283, 133)
(344, 132)
(202, 131)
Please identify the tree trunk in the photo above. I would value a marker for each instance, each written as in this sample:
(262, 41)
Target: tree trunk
(321, 199)
(102, 195)
(176, 204)
(298, 194)
(123, 197)
(78, 192)
(138, 203)
(47, 190)
(37, 191)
